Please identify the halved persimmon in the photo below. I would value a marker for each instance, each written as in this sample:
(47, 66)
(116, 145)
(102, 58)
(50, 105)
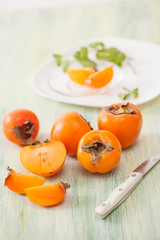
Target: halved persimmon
(44, 159)
(124, 120)
(79, 75)
(47, 195)
(99, 151)
(100, 79)
(17, 182)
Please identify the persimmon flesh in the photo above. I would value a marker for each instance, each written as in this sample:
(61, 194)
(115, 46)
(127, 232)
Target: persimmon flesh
(100, 79)
(44, 159)
(48, 195)
(17, 182)
(79, 75)
(124, 120)
(69, 128)
(99, 151)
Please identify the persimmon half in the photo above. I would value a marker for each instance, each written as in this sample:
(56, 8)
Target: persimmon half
(44, 159)
(79, 75)
(69, 128)
(100, 79)
(48, 195)
(99, 151)
(17, 182)
(124, 120)
(21, 126)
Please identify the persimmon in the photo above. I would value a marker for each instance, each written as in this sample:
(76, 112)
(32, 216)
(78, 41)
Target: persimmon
(124, 120)
(79, 75)
(69, 128)
(48, 195)
(99, 151)
(100, 79)
(44, 159)
(17, 182)
(21, 126)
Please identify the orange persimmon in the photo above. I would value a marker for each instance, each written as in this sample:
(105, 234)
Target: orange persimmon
(47, 195)
(79, 75)
(100, 79)
(99, 151)
(44, 159)
(69, 128)
(21, 126)
(17, 182)
(124, 120)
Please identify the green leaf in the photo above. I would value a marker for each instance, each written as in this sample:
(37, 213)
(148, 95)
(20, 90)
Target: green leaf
(124, 96)
(111, 55)
(82, 57)
(133, 92)
(58, 59)
(96, 45)
(66, 65)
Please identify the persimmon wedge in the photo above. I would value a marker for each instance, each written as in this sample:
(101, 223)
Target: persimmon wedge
(79, 75)
(48, 195)
(17, 182)
(44, 159)
(100, 79)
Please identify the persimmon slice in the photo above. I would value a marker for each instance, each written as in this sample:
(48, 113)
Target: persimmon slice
(79, 75)
(17, 182)
(47, 195)
(100, 79)
(44, 159)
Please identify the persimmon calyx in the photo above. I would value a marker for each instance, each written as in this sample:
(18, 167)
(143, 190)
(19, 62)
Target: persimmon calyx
(11, 171)
(89, 124)
(25, 132)
(117, 110)
(38, 143)
(97, 149)
(64, 185)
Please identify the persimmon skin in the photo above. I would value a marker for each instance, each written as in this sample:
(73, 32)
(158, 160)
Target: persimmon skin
(17, 118)
(48, 195)
(108, 161)
(126, 127)
(69, 128)
(17, 182)
(44, 159)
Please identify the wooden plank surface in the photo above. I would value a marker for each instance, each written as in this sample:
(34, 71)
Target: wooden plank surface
(27, 39)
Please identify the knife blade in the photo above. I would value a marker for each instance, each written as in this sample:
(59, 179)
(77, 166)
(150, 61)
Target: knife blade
(122, 191)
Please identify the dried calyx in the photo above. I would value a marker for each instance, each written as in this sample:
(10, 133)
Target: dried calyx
(11, 171)
(97, 148)
(89, 124)
(25, 132)
(64, 185)
(117, 110)
(38, 143)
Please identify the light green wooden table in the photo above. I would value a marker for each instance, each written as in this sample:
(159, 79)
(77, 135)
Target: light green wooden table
(27, 39)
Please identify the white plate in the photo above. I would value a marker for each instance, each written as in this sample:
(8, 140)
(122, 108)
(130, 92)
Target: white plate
(51, 82)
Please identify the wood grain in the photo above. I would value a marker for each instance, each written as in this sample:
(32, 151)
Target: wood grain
(27, 39)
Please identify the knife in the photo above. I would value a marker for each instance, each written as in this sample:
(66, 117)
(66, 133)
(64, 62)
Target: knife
(122, 191)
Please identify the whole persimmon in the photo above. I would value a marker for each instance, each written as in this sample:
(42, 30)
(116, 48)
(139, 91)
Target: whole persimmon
(124, 120)
(21, 126)
(99, 151)
(69, 128)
